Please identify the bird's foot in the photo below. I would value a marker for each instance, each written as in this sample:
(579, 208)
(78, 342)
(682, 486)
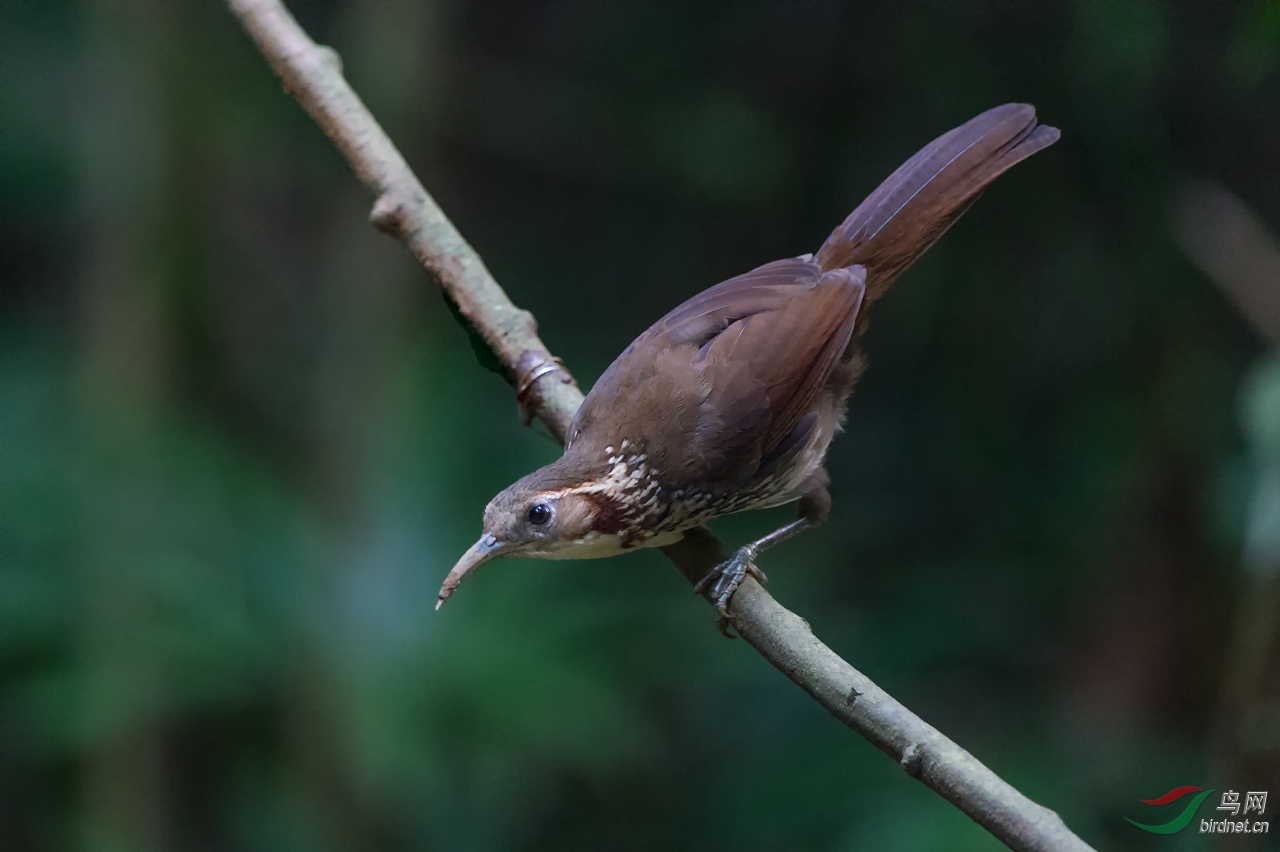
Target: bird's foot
(725, 578)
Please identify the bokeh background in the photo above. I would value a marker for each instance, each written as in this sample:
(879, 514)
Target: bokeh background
(242, 438)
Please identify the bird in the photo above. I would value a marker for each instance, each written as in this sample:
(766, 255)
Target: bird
(730, 401)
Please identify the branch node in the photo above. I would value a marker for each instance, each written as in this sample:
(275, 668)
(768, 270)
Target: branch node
(913, 759)
(390, 213)
(853, 696)
(522, 320)
(329, 58)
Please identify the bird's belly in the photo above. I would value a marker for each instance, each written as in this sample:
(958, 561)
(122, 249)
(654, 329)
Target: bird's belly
(789, 484)
(598, 546)
(793, 482)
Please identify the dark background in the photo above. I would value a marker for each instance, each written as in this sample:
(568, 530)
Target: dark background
(242, 439)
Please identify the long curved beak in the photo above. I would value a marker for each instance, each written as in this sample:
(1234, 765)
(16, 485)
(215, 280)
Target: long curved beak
(479, 553)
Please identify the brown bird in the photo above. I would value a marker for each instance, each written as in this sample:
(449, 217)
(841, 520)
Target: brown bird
(730, 401)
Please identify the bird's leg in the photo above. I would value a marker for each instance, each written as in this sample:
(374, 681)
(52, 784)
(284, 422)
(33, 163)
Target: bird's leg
(726, 577)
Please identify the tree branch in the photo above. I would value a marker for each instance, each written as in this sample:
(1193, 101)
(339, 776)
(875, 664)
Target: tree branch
(313, 75)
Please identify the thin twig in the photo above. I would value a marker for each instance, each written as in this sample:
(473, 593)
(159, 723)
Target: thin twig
(313, 75)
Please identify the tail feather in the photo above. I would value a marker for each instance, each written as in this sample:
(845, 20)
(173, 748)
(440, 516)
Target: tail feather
(929, 192)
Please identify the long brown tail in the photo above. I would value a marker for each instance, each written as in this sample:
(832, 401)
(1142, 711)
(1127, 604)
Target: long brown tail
(929, 192)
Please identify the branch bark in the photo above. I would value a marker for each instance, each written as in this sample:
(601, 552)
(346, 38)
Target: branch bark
(313, 75)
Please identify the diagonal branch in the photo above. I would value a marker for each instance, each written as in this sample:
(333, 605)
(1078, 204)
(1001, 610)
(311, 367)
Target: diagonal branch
(313, 75)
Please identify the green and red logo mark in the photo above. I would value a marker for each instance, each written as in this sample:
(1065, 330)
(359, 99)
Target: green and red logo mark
(1183, 819)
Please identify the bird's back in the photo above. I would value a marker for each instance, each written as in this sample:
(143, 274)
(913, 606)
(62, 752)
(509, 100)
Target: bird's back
(715, 391)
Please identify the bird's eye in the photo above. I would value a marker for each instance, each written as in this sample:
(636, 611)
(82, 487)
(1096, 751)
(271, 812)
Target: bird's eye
(539, 514)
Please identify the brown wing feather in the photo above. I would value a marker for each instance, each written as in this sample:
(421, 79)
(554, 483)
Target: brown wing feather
(789, 351)
(710, 312)
(756, 349)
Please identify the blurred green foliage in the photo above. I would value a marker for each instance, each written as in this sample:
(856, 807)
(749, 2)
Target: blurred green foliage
(242, 439)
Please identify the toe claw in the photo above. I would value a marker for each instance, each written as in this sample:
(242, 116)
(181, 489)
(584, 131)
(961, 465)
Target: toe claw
(726, 577)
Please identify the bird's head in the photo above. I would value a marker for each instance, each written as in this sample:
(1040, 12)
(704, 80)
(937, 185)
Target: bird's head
(545, 515)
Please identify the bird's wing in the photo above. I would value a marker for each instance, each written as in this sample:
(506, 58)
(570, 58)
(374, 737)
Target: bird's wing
(736, 368)
(760, 346)
(765, 368)
(709, 313)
